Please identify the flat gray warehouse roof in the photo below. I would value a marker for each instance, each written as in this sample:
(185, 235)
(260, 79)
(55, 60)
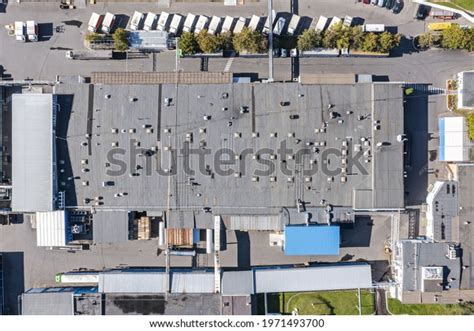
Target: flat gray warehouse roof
(54, 303)
(339, 127)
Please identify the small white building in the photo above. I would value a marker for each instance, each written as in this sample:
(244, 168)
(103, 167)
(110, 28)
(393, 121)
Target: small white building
(442, 211)
(454, 143)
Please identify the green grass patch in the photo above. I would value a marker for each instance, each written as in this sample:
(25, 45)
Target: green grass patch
(319, 303)
(458, 4)
(470, 125)
(398, 308)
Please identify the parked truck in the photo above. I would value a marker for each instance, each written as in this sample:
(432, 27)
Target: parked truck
(108, 23)
(90, 55)
(254, 23)
(377, 28)
(269, 25)
(227, 25)
(240, 25)
(348, 20)
(95, 22)
(322, 23)
(214, 25)
(201, 23)
(293, 25)
(20, 31)
(334, 21)
(176, 23)
(32, 30)
(163, 21)
(189, 23)
(438, 26)
(136, 21)
(150, 21)
(279, 26)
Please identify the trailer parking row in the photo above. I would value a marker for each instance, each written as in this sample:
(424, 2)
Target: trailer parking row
(175, 24)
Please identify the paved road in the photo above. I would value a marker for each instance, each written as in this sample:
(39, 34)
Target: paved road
(381, 302)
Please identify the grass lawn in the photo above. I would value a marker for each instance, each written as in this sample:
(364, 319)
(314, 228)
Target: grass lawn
(397, 308)
(319, 303)
(458, 4)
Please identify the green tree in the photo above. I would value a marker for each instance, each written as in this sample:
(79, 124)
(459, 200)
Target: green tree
(225, 40)
(425, 40)
(371, 42)
(249, 41)
(188, 43)
(309, 40)
(357, 37)
(120, 39)
(454, 37)
(207, 42)
(332, 35)
(92, 36)
(388, 41)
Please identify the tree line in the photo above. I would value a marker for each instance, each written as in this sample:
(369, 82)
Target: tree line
(454, 37)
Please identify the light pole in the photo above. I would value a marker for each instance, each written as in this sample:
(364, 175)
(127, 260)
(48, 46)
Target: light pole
(270, 41)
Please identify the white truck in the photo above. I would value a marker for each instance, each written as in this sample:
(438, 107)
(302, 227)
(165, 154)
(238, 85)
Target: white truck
(240, 25)
(20, 31)
(254, 23)
(176, 23)
(335, 21)
(293, 25)
(214, 25)
(189, 23)
(201, 23)
(267, 26)
(279, 26)
(227, 25)
(348, 20)
(163, 21)
(95, 22)
(150, 21)
(322, 23)
(108, 23)
(32, 30)
(89, 55)
(136, 20)
(377, 28)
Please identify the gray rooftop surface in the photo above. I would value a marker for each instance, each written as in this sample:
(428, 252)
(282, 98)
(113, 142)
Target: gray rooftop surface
(230, 195)
(418, 254)
(55, 303)
(110, 227)
(466, 213)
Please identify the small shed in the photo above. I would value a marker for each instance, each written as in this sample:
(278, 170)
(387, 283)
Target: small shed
(312, 240)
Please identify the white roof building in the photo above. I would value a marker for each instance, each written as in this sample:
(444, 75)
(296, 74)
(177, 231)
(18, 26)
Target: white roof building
(52, 229)
(454, 143)
(33, 153)
(466, 90)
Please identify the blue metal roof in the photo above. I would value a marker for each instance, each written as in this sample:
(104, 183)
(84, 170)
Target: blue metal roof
(312, 240)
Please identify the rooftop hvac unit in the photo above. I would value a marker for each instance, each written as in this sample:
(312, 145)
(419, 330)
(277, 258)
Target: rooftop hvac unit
(452, 252)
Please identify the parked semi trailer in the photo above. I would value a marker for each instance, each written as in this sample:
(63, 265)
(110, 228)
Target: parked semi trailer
(150, 21)
(293, 25)
(201, 23)
(189, 23)
(163, 21)
(95, 22)
(32, 30)
(214, 25)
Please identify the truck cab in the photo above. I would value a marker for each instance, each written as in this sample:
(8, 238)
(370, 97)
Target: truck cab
(20, 31)
(32, 30)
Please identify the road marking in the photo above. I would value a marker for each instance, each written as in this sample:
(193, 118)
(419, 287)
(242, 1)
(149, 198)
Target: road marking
(228, 64)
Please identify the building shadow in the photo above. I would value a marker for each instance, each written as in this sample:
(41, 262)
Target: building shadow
(14, 280)
(65, 172)
(357, 234)
(243, 249)
(416, 147)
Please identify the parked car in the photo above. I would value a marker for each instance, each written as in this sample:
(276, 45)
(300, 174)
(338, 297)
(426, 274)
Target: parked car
(284, 52)
(389, 4)
(422, 12)
(397, 8)
(381, 3)
(276, 52)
